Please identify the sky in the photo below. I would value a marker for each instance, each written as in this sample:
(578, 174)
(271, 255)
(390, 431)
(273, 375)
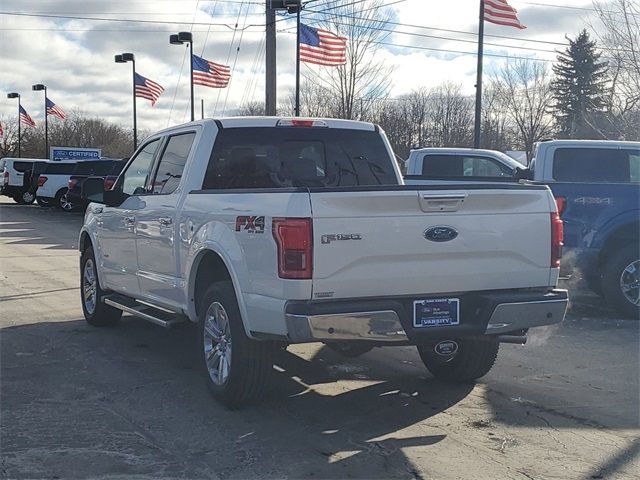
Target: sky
(74, 57)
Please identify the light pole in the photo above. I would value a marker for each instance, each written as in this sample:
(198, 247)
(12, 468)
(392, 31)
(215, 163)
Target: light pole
(17, 95)
(180, 39)
(124, 58)
(39, 87)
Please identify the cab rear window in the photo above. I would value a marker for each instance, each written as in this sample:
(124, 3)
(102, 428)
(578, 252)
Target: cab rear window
(272, 157)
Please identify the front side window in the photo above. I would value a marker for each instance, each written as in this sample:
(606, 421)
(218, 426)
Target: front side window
(172, 163)
(483, 167)
(134, 179)
(596, 165)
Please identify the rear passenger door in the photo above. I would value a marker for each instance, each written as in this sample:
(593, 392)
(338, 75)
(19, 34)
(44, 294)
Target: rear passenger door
(157, 229)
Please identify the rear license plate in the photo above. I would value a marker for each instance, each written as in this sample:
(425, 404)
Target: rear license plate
(436, 312)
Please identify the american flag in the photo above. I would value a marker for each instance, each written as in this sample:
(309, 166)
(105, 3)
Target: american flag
(501, 13)
(210, 74)
(25, 118)
(322, 47)
(53, 109)
(148, 89)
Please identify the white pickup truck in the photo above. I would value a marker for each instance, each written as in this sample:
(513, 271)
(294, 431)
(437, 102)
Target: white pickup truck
(267, 231)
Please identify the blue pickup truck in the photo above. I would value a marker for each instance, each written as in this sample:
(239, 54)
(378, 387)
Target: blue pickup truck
(596, 185)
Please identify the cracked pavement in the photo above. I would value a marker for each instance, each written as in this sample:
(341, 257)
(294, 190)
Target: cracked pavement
(127, 402)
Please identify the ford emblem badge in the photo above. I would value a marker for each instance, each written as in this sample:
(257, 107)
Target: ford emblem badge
(446, 348)
(440, 234)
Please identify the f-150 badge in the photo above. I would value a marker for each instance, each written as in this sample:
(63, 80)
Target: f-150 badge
(250, 224)
(332, 237)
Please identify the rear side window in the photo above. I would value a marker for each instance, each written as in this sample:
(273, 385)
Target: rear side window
(596, 165)
(60, 168)
(273, 157)
(439, 166)
(93, 167)
(22, 166)
(172, 163)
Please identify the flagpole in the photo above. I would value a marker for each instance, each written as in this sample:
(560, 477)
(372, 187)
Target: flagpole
(19, 130)
(46, 125)
(297, 111)
(135, 115)
(193, 117)
(478, 117)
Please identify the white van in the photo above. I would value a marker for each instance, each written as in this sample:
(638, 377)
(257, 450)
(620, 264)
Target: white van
(16, 178)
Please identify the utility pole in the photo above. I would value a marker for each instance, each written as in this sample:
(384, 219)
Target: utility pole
(478, 119)
(297, 112)
(270, 60)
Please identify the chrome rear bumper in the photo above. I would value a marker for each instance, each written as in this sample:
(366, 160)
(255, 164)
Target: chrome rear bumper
(385, 326)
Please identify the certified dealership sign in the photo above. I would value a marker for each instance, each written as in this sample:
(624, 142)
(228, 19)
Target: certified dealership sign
(73, 153)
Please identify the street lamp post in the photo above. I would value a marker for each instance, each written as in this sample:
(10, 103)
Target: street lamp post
(124, 58)
(180, 39)
(40, 87)
(17, 95)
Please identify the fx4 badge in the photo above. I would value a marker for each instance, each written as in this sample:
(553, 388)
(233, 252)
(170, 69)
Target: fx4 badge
(332, 237)
(250, 224)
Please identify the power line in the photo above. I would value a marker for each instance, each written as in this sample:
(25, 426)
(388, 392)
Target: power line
(235, 61)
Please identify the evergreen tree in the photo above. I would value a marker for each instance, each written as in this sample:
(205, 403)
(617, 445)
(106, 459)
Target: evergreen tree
(579, 88)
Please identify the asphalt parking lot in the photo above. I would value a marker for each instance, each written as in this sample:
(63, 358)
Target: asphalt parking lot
(126, 402)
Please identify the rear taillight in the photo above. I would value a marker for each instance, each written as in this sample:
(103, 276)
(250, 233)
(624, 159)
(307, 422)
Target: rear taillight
(294, 237)
(561, 202)
(42, 180)
(557, 239)
(108, 183)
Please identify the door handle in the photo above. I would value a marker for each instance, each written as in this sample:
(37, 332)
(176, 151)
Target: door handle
(129, 220)
(166, 221)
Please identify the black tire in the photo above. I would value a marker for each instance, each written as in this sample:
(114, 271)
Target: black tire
(24, 198)
(101, 315)
(251, 361)
(612, 275)
(473, 360)
(595, 285)
(42, 202)
(349, 349)
(61, 201)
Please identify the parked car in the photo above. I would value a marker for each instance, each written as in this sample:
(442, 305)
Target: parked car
(16, 177)
(434, 165)
(83, 170)
(597, 184)
(267, 231)
(52, 185)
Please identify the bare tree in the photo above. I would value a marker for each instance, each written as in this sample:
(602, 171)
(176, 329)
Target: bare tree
(251, 109)
(9, 138)
(525, 89)
(364, 77)
(451, 116)
(619, 33)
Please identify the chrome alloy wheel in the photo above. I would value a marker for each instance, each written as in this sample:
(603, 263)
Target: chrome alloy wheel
(630, 282)
(65, 204)
(89, 287)
(217, 343)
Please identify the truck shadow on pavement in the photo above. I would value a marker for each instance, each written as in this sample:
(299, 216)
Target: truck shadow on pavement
(79, 401)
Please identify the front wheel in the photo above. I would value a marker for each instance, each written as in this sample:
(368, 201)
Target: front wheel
(621, 281)
(96, 312)
(236, 367)
(471, 359)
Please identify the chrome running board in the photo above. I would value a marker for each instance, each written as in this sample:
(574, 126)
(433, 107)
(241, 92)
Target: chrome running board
(158, 316)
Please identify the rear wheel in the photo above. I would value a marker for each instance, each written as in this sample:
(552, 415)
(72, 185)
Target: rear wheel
(621, 281)
(472, 359)
(96, 312)
(24, 198)
(236, 367)
(62, 201)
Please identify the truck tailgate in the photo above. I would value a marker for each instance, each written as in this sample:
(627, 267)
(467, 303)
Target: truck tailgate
(382, 241)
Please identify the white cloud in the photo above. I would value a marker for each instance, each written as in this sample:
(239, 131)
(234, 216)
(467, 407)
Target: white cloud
(75, 58)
